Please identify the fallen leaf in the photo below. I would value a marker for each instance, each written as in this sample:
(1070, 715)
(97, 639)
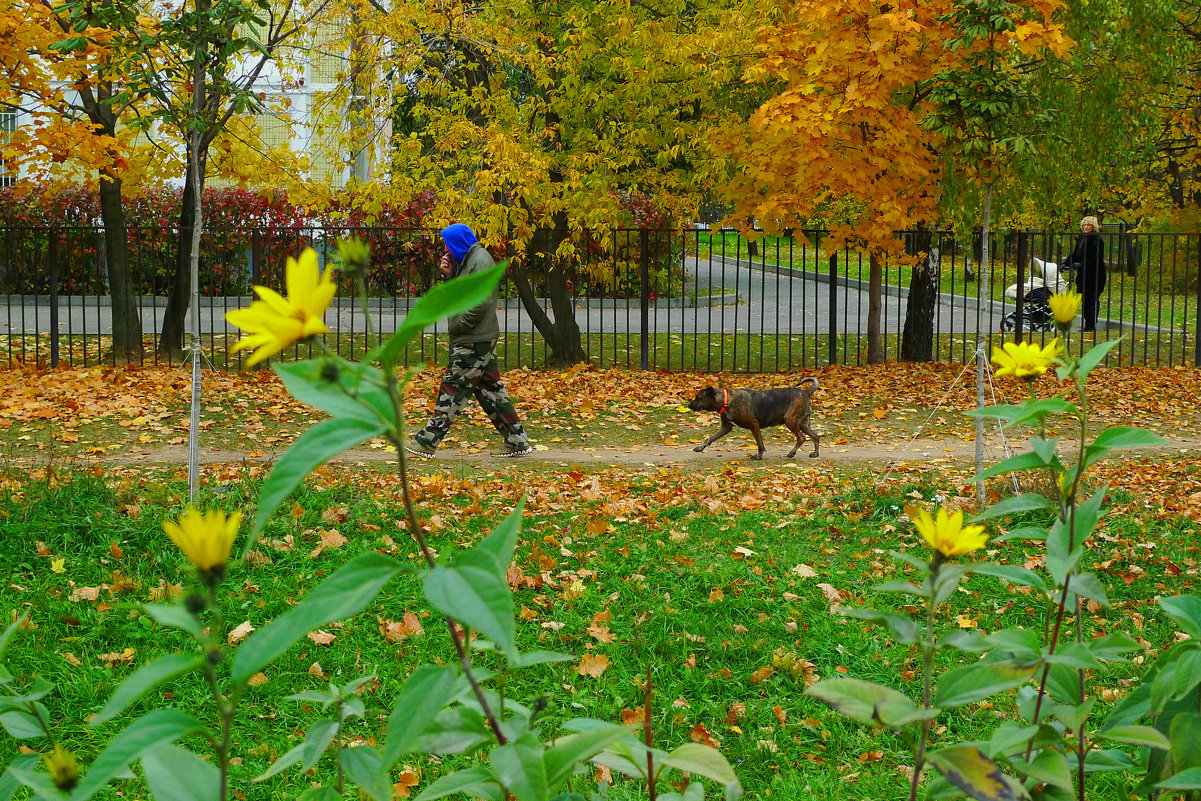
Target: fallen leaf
(322, 637)
(240, 632)
(593, 665)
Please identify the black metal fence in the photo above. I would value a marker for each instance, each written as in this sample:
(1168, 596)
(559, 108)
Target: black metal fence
(708, 300)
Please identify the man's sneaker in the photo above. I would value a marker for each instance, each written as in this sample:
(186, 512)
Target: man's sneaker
(421, 451)
(514, 451)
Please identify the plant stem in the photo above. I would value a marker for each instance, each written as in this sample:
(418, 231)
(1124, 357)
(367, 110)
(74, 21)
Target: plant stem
(919, 757)
(456, 636)
(646, 731)
(338, 749)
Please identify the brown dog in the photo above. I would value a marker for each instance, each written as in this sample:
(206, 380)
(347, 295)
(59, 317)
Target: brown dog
(756, 409)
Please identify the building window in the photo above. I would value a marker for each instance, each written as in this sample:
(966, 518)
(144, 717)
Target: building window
(8, 125)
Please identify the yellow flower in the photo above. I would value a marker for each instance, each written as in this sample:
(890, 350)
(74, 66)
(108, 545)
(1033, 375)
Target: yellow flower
(946, 533)
(274, 322)
(205, 539)
(1025, 359)
(1065, 306)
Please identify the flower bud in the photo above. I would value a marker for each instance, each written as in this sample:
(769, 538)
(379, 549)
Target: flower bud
(62, 767)
(354, 257)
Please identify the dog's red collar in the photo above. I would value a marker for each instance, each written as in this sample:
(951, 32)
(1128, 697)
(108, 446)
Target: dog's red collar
(725, 401)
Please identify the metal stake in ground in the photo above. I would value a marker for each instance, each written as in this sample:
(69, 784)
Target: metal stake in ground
(980, 356)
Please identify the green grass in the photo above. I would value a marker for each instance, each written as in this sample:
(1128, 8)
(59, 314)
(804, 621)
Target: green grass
(682, 598)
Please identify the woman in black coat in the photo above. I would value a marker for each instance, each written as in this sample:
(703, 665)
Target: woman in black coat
(1088, 261)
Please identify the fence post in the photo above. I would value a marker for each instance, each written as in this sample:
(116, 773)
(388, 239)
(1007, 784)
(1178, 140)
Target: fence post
(644, 276)
(833, 308)
(52, 257)
(1023, 247)
(1197, 333)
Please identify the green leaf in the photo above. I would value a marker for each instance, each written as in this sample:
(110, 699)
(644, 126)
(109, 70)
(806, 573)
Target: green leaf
(343, 594)
(1024, 533)
(1147, 736)
(176, 774)
(1087, 585)
(8, 782)
(1120, 437)
(970, 769)
(902, 586)
(351, 395)
(143, 680)
(155, 729)
(1184, 780)
(327, 438)
(10, 630)
(476, 781)
(566, 753)
(38, 782)
(1185, 611)
(454, 731)
(175, 617)
(531, 658)
(23, 726)
(1185, 736)
(364, 767)
(1073, 715)
(308, 752)
(443, 300)
(1026, 502)
(902, 627)
(1022, 461)
(1063, 683)
(868, 703)
(1010, 737)
(1030, 410)
(1045, 448)
(1102, 761)
(428, 689)
(474, 590)
(1049, 767)
(1062, 554)
(972, 683)
(702, 761)
(1014, 574)
(520, 767)
(1095, 356)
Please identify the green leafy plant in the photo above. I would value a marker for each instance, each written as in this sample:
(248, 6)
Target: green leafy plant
(1048, 749)
(458, 708)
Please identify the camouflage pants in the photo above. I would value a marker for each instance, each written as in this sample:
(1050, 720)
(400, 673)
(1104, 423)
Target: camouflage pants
(473, 370)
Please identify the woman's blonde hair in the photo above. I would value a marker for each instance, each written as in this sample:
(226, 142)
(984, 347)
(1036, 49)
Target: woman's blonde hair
(1090, 221)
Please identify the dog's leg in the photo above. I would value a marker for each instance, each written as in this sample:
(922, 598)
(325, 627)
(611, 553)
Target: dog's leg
(758, 440)
(792, 421)
(816, 443)
(726, 428)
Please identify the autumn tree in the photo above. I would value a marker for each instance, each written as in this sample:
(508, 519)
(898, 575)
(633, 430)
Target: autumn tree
(67, 79)
(532, 119)
(214, 53)
(843, 127)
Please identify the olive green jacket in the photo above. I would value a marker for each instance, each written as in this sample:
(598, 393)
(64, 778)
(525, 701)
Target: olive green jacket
(478, 324)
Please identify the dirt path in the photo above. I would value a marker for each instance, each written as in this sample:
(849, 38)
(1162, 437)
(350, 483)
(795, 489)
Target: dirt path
(945, 450)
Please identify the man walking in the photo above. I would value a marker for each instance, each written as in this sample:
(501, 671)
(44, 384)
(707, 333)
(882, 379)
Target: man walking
(473, 369)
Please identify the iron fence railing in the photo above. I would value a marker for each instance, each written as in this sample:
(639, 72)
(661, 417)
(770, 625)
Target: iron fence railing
(697, 299)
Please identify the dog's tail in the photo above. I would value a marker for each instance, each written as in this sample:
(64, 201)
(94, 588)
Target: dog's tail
(807, 380)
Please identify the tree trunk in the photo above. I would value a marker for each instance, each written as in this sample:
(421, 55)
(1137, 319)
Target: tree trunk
(875, 309)
(985, 258)
(562, 333)
(179, 293)
(127, 325)
(917, 339)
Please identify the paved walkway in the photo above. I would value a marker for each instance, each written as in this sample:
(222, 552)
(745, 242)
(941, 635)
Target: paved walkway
(749, 300)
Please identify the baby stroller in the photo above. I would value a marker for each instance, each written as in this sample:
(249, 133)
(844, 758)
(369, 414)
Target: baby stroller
(1036, 312)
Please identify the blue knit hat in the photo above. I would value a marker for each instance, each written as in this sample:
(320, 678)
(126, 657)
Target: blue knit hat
(458, 238)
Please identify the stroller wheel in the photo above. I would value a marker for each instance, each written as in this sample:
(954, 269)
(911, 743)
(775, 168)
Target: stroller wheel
(1009, 322)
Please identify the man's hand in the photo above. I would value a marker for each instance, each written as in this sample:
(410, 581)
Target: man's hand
(445, 266)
